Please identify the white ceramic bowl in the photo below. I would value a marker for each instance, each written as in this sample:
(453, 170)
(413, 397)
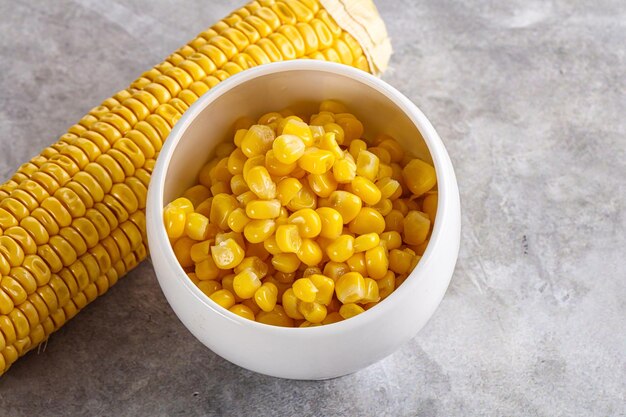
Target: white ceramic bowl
(315, 352)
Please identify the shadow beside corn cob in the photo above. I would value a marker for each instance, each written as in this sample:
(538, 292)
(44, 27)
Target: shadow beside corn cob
(72, 219)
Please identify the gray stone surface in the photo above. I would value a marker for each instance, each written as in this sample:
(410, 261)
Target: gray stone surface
(530, 99)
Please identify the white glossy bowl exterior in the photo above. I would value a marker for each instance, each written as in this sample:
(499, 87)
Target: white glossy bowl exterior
(316, 352)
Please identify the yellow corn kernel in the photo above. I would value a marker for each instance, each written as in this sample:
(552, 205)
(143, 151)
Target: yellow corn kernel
(236, 161)
(305, 290)
(347, 204)
(276, 317)
(355, 148)
(377, 262)
(277, 168)
(333, 106)
(416, 227)
(310, 252)
(209, 287)
(419, 176)
(308, 222)
(334, 270)
(182, 250)
(246, 283)
(400, 261)
(368, 220)
(270, 117)
(341, 249)
(384, 207)
(413, 204)
(197, 194)
(352, 128)
(207, 270)
(266, 296)
(204, 177)
(396, 152)
(253, 263)
(344, 171)
(224, 149)
(263, 209)
(386, 284)
(221, 207)
(271, 245)
(318, 132)
(256, 231)
(286, 262)
(383, 155)
(201, 251)
(350, 310)
(183, 204)
(260, 183)
(204, 208)
(304, 198)
(252, 305)
(325, 288)
(322, 185)
(350, 287)
(237, 237)
(220, 187)
(371, 291)
(238, 185)
(366, 190)
(332, 127)
(356, 263)
(331, 222)
(401, 206)
(290, 304)
(333, 317)
(224, 298)
(300, 129)
(329, 142)
(394, 221)
(220, 171)
(242, 311)
(391, 240)
(367, 165)
(385, 171)
(246, 197)
(237, 220)
(313, 312)
(288, 148)
(388, 187)
(197, 226)
(366, 241)
(257, 140)
(429, 206)
(239, 135)
(227, 254)
(287, 189)
(316, 161)
(288, 238)
(174, 220)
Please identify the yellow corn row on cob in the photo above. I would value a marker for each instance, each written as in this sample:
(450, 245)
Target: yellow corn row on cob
(72, 219)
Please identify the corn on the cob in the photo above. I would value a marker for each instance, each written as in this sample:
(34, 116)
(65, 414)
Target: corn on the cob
(72, 219)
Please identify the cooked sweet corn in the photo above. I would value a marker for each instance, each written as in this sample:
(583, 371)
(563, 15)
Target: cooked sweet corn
(316, 225)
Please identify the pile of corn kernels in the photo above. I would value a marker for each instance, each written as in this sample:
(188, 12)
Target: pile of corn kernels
(295, 224)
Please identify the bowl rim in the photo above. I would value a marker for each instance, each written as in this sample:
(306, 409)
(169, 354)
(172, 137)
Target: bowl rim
(432, 140)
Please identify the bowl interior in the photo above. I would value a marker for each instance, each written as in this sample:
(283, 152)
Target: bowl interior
(299, 89)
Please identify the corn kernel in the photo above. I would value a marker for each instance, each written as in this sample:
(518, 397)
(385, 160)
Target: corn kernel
(333, 106)
(242, 311)
(368, 220)
(347, 204)
(288, 148)
(331, 222)
(288, 238)
(239, 135)
(270, 117)
(220, 171)
(383, 155)
(366, 241)
(367, 165)
(266, 296)
(256, 231)
(257, 140)
(276, 317)
(209, 287)
(366, 190)
(429, 206)
(395, 150)
(196, 226)
(394, 221)
(325, 288)
(237, 220)
(174, 220)
(310, 252)
(313, 312)
(305, 290)
(377, 262)
(400, 261)
(416, 227)
(271, 245)
(253, 263)
(350, 310)
(356, 263)
(290, 304)
(332, 317)
(207, 270)
(205, 207)
(221, 207)
(419, 176)
(224, 298)
(245, 198)
(260, 183)
(391, 240)
(385, 171)
(316, 161)
(246, 283)
(304, 198)
(323, 184)
(332, 127)
(387, 186)
(386, 284)
(237, 237)
(227, 254)
(277, 168)
(201, 251)
(353, 128)
(182, 250)
(384, 207)
(287, 189)
(197, 194)
(308, 222)
(263, 209)
(220, 187)
(329, 142)
(350, 287)
(235, 162)
(299, 129)
(356, 146)
(344, 171)
(334, 270)
(286, 262)
(401, 206)
(204, 177)
(341, 249)
(238, 185)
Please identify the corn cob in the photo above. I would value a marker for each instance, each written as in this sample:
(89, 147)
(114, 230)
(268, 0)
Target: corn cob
(72, 219)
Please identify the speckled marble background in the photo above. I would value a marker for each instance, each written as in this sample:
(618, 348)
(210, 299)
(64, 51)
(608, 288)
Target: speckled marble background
(530, 99)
